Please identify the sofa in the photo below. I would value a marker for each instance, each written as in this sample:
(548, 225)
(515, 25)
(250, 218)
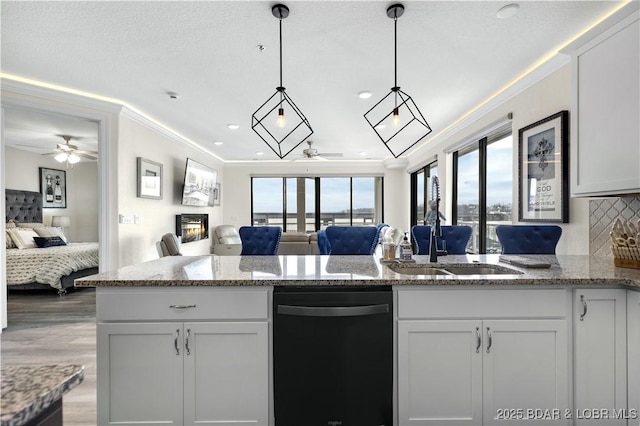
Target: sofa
(298, 243)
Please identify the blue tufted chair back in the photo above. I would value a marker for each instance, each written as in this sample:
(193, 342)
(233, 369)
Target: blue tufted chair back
(528, 239)
(323, 243)
(351, 239)
(456, 237)
(260, 240)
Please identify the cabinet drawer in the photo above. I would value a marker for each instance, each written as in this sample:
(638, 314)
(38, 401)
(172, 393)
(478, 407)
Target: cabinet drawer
(181, 303)
(425, 304)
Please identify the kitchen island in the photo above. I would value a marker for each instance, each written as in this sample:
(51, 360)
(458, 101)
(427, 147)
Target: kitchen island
(554, 345)
(188, 271)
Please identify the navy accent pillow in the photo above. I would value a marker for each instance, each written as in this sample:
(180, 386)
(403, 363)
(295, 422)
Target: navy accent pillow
(44, 242)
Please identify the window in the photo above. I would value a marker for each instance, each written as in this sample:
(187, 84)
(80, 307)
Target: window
(483, 188)
(421, 192)
(312, 203)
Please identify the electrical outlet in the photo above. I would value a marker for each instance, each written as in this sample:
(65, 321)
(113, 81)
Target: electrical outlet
(125, 218)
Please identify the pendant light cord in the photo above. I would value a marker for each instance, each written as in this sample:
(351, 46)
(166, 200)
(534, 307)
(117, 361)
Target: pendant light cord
(395, 52)
(280, 52)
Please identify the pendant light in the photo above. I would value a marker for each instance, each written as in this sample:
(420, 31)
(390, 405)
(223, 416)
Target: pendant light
(396, 118)
(279, 122)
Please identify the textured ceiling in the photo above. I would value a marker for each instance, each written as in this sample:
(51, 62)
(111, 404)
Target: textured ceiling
(451, 56)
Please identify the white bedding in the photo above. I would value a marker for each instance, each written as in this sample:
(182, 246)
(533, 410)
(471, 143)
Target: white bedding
(48, 265)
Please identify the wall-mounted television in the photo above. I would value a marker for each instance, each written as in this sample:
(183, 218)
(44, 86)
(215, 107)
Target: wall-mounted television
(199, 184)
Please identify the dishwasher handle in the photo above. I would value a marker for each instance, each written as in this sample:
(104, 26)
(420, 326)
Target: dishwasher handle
(333, 311)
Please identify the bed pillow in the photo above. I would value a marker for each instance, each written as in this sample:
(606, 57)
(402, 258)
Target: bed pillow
(44, 242)
(23, 237)
(50, 232)
(9, 241)
(30, 225)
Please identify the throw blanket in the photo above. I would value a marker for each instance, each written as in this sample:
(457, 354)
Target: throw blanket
(48, 265)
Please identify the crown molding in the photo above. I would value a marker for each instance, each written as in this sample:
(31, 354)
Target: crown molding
(165, 131)
(16, 91)
(542, 71)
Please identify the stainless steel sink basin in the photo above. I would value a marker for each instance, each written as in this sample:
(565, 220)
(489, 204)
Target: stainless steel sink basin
(481, 270)
(417, 270)
(452, 269)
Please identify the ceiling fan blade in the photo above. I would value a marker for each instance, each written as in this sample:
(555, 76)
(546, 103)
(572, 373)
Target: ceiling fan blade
(86, 155)
(330, 154)
(32, 146)
(51, 153)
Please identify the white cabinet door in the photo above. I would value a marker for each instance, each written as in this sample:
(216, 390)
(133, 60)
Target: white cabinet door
(633, 333)
(605, 148)
(600, 355)
(140, 371)
(226, 368)
(525, 368)
(440, 372)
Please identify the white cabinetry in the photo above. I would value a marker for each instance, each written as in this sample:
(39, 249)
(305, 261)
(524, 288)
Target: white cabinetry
(482, 357)
(205, 360)
(633, 348)
(600, 369)
(605, 135)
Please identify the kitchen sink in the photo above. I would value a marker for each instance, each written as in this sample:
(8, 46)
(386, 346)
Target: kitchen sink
(417, 270)
(481, 270)
(452, 269)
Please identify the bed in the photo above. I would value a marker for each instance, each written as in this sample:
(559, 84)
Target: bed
(42, 268)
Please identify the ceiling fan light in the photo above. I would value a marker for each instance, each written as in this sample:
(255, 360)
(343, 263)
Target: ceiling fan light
(73, 159)
(61, 158)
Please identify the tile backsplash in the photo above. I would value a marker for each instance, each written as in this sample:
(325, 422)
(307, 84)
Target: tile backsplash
(602, 213)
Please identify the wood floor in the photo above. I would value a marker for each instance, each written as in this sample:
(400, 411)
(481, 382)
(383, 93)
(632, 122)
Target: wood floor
(44, 328)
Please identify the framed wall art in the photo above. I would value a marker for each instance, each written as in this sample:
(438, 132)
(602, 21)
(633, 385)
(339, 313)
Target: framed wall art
(543, 154)
(216, 194)
(53, 187)
(149, 179)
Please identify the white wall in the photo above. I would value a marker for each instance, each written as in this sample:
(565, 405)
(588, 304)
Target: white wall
(236, 188)
(137, 241)
(22, 173)
(549, 96)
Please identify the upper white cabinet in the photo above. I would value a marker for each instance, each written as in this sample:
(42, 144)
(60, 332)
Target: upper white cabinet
(605, 117)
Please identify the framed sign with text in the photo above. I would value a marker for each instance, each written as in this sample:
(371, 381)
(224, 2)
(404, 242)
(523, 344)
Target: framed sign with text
(543, 154)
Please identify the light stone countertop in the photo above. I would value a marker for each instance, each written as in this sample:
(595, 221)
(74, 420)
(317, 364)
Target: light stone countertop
(27, 390)
(357, 270)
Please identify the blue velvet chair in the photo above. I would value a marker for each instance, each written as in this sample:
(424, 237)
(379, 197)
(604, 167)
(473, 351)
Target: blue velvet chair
(455, 236)
(351, 239)
(323, 243)
(528, 239)
(260, 240)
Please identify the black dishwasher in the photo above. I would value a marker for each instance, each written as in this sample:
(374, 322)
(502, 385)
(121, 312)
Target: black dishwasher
(333, 356)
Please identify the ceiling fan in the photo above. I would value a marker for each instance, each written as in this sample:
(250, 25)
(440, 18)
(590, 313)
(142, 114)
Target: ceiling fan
(65, 152)
(312, 154)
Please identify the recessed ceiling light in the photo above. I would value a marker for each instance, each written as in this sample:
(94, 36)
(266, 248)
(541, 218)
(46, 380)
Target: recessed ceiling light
(233, 126)
(218, 143)
(364, 94)
(363, 153)
(259, 153)
(508, 11)
(381, 126)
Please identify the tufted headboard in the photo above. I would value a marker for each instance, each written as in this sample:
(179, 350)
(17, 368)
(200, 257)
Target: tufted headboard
(23, 206)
